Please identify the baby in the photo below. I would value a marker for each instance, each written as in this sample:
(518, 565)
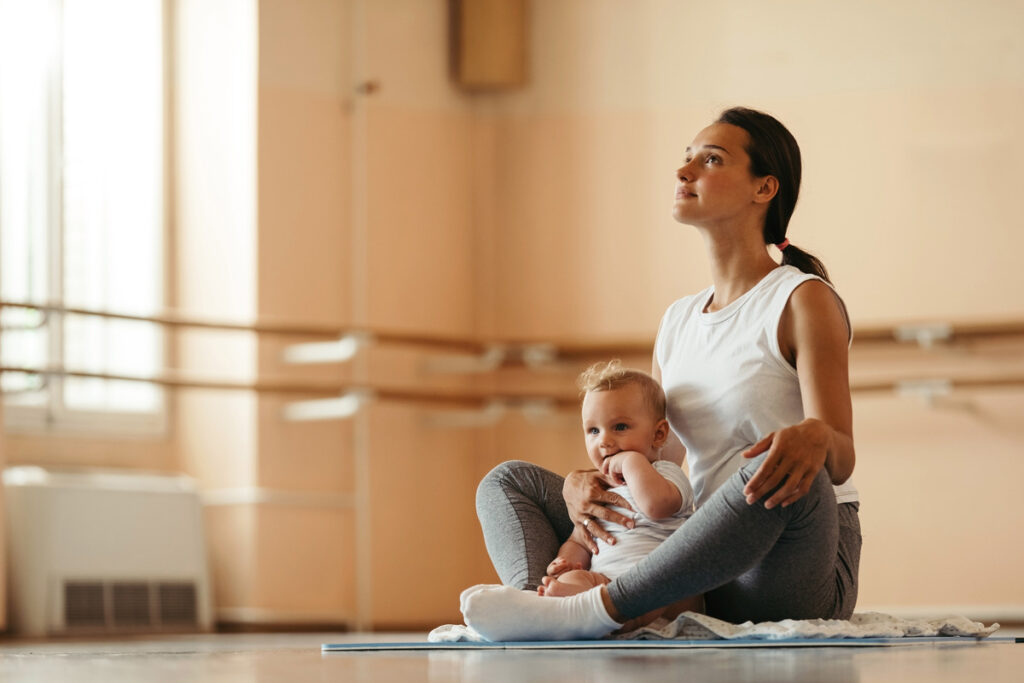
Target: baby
(624, 427)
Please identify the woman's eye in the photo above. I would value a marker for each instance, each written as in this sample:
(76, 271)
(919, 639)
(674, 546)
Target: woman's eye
(711, 159)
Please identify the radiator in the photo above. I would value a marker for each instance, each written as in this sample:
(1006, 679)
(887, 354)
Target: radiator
(95, 552)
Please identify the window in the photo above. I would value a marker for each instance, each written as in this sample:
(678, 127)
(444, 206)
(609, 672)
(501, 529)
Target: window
(82, 168)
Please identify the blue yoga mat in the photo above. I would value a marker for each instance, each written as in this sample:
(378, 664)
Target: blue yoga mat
(670, 644)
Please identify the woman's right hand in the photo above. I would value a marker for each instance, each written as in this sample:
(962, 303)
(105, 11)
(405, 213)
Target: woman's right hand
(587, 497)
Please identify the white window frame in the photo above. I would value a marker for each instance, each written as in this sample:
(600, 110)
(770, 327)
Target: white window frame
(53, 416)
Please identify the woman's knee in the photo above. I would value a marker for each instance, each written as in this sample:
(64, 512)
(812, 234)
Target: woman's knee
(821, 486)
(503, 478)
(510, 471)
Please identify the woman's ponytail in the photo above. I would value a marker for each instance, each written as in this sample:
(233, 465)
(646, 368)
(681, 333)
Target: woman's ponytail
(809, 263)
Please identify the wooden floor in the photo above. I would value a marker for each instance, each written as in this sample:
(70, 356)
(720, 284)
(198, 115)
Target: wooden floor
(295, 658)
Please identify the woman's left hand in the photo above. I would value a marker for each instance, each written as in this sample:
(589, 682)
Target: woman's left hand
(795, 456)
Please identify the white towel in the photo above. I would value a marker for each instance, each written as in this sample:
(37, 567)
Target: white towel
(693, 626)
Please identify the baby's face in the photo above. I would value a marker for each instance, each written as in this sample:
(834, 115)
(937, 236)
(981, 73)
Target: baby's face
(618, 420)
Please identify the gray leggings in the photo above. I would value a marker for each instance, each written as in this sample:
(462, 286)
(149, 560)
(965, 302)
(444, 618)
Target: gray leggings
(797, 562)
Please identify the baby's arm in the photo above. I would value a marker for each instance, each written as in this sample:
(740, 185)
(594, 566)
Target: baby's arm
(655, 496)
(570, 556)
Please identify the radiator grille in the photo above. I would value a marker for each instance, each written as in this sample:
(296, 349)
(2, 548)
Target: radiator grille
(178, 603)
(84, 604)
(136, 605)
(130, 604)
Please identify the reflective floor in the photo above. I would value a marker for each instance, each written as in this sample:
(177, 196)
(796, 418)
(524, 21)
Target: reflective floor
(296, 657)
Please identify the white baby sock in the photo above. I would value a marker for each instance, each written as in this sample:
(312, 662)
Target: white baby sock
(503, 613)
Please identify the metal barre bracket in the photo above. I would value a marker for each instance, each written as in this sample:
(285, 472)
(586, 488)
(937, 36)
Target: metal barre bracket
(538, 356)
(928, 390)
(468, 364)
(924, 335)
(340, 408)
(338, 351)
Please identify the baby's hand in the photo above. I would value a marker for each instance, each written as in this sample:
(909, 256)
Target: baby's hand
(560, 565)
(611, 467)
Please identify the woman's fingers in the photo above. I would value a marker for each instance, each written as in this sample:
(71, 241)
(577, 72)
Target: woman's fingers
(606, 498)
(594, 528)
(587, 499)
(756, 487)
(792, 485)
(580, 490)
(767, 477)
(597, 530)
(794, 494)
(759, 447)
(590, 529)
(583, 537)
(788, 469)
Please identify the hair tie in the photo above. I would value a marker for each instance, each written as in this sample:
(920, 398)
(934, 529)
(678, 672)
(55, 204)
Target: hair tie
(782, 245)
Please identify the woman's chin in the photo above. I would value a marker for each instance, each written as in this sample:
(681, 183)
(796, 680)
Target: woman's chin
(682, 216)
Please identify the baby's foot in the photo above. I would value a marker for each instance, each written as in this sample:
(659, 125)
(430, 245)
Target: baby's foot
(553, 588)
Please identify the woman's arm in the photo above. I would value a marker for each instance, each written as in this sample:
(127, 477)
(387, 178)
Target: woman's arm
(814, 337)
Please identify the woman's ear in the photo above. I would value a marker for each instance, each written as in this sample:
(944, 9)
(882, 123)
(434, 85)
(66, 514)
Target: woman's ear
(767, 190)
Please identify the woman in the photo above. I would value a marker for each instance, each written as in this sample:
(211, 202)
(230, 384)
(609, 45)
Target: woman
(755, 373)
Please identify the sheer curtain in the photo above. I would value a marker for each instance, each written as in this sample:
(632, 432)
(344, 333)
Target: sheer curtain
(82, 197)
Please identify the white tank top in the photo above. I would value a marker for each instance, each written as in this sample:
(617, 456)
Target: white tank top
(726, 380)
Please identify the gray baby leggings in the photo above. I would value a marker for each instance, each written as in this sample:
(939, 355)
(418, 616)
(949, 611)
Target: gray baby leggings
(797, 562)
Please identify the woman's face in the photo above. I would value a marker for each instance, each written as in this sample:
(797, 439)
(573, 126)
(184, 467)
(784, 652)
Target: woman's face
(714, 184)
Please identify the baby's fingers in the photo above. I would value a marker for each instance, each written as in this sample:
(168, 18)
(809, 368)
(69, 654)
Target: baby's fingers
(557, 566)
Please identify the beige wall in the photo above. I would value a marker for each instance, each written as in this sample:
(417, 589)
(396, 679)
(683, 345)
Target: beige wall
(543, 213)
(906, 117)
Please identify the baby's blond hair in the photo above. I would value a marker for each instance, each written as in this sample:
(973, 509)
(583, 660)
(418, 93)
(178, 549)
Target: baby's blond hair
(610, 375)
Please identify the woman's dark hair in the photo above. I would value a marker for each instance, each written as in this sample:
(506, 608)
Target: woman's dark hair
(773, 151)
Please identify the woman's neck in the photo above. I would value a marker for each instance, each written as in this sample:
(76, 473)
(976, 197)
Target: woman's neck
(737, 265)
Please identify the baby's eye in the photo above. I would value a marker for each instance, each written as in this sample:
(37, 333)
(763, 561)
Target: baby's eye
(592, 430)
(621, 427)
